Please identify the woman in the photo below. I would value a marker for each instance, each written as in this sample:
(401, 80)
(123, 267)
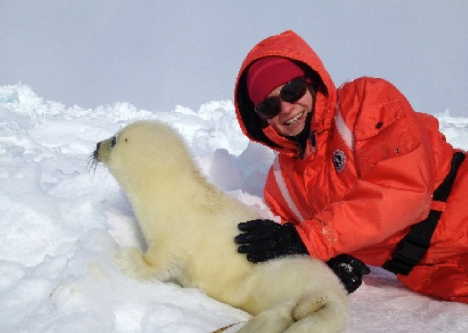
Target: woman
(358, 172)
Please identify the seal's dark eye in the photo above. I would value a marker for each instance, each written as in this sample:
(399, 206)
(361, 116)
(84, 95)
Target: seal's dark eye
(113, 141)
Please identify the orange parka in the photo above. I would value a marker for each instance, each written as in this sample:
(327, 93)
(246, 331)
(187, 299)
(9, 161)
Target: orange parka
(369, 172)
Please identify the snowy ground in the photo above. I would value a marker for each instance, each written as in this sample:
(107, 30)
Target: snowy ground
(60, 225)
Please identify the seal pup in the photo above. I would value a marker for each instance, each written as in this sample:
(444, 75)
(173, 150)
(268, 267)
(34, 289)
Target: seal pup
(189, 225)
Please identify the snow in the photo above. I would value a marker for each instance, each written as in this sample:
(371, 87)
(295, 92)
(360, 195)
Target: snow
(60, 224)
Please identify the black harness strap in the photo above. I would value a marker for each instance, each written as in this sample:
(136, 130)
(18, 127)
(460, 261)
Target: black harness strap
(412, 248)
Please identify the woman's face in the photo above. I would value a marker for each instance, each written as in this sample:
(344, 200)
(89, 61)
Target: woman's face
(292, 118)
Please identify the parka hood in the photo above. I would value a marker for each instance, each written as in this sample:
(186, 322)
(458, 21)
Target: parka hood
(288, 45)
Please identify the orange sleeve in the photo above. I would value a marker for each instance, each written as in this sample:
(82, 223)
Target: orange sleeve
(275, 200)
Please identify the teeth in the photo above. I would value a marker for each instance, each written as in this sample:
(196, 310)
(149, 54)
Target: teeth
(292, 121)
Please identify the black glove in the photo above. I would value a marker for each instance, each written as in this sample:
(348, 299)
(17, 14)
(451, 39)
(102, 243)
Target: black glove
(263, 240)
(349, 269)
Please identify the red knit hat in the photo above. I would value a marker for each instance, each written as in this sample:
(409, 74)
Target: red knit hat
(266, 74)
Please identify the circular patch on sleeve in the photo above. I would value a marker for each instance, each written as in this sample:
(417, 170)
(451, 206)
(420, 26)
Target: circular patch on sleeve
(339, 160)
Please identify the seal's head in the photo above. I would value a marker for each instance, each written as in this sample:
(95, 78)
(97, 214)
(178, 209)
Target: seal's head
(139, 149)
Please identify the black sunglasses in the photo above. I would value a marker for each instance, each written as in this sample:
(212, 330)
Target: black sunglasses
(291, 93)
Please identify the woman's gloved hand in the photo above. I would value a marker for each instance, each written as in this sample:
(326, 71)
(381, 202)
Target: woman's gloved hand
(349, 269)
(263, 240)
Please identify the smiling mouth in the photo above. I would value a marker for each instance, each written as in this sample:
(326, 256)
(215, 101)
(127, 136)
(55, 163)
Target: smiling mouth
(294, 120)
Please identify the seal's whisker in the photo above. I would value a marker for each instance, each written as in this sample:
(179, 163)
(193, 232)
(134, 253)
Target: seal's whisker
(93, 162)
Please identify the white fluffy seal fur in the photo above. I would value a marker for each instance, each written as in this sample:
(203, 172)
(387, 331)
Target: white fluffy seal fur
(189, 226)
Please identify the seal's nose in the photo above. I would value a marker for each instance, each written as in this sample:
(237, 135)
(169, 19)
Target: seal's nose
(96, 152)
